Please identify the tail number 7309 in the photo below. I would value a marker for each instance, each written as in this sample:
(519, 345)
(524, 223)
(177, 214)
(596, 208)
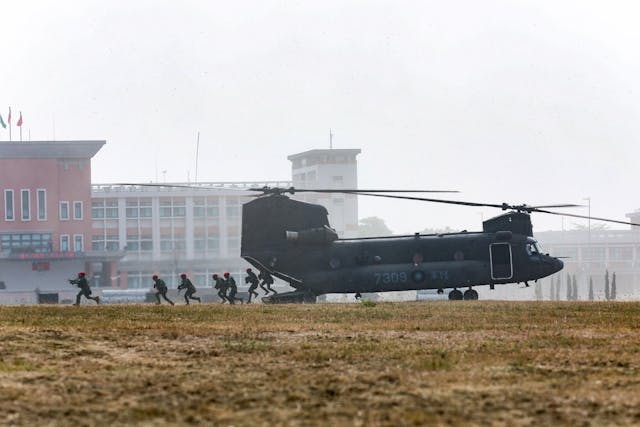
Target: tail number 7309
(392, 277)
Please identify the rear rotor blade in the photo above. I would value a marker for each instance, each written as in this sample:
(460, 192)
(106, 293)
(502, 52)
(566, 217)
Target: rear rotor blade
(503, 206)
(586, 217)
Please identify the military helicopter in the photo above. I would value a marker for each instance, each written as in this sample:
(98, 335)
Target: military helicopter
(294, 241)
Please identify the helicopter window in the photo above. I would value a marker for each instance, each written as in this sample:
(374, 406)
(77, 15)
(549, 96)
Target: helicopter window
(458, 256)
(533, 248)
(377, 259)
(334, 263)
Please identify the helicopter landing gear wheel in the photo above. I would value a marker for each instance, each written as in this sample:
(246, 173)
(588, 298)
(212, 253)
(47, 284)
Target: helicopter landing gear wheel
(470, 295)
(455, 295)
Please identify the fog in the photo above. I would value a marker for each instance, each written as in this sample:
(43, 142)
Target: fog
(533, 102)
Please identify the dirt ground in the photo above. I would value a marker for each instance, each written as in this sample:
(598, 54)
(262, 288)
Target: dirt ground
(427, 363)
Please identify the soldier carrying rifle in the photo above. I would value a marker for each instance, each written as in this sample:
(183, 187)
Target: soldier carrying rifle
(82, 282)
(190, 289)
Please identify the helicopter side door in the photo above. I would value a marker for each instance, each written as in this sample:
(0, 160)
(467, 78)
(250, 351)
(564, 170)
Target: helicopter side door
(501, 261)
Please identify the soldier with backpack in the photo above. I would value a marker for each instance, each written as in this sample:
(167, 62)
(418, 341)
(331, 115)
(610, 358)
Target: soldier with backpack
(161, 288)
(221, 286)
(190, 289)
(233, 289)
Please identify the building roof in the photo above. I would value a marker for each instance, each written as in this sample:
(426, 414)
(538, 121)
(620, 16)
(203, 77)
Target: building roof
(333, 151)
(49, 149)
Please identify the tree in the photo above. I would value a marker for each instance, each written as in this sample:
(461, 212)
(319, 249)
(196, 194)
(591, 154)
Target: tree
(558, 285)
(552, 293)
(575, 288)
(373, 227)
(569, 288)
(430, 230)
(613, 287)
(590, 288)
(607, 295)
(597, 226)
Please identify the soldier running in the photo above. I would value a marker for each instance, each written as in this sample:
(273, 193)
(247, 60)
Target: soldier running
(221, 286)
(266, 280)
(233, 289)
(253, 279)
(85, 290)
(190, 289)
(161, 287)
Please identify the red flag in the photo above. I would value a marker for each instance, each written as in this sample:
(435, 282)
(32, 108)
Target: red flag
(9, 118)
(19, 120)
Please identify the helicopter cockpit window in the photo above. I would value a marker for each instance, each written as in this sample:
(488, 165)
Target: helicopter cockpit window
(533, 248)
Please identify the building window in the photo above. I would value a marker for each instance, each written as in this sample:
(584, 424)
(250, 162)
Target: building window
(25, 203)
(8, 205)
(139, 243)
(593, 254)
(97, 210)
(42, 205)
(105, 243)
(111, 209)
(64, 243)
(26, 242)
(621, 253)
(172, 209)
(78, 242)
(64, 211)
(77, 210)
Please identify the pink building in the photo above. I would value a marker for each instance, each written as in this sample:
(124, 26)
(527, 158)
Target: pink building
(45, 213)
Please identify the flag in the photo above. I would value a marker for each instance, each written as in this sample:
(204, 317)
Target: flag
(9, 118)
(2, 123)
(19, 120)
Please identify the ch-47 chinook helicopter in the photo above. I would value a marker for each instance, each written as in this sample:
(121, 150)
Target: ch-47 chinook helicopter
(293, 241)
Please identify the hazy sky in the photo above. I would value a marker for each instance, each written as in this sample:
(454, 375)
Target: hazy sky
(533, 102)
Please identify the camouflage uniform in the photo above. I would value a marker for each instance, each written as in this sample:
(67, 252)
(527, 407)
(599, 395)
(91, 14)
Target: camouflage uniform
(233, 289)
(253, 279)
(266, 280)
(83, 284)
(221, 286)
(161, 287)
(190, 289)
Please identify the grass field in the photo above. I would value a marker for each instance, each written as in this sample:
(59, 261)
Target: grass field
(442, 363)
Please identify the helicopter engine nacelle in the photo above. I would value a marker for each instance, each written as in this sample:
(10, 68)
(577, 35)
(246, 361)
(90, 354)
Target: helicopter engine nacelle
(319, 235)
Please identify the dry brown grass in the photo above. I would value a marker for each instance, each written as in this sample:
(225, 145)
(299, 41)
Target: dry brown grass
(439, 363)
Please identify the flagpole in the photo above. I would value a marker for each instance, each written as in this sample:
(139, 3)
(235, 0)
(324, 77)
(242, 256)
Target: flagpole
(9, 120)
(197, 150)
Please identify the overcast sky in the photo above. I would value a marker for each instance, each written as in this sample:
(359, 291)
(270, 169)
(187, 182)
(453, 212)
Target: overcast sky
(534, 102)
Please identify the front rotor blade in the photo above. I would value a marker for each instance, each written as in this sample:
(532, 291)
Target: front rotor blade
(292, 190)
(450, 202)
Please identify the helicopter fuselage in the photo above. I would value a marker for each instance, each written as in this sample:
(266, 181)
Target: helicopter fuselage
(441, 261)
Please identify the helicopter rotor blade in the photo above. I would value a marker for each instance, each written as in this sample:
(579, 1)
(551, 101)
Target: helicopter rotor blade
(503, 206)
(567, 205)
(586, 217)
(425, 199)
(185, 186)
(292, 190)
